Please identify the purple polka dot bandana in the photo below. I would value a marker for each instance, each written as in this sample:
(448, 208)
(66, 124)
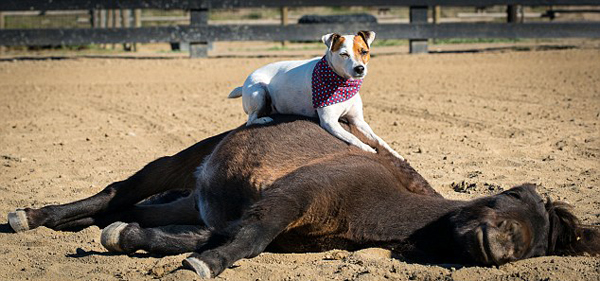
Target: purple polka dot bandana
(329, 88)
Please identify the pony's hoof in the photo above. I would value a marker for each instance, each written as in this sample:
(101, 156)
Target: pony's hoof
(110, 236)
(200, 267)
(18, 220)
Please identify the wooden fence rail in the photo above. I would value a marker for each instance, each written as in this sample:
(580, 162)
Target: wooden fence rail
(224, 4)
(290, 32)
(199, 33)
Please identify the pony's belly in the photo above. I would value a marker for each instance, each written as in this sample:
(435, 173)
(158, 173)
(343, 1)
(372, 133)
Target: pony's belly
(296, 241)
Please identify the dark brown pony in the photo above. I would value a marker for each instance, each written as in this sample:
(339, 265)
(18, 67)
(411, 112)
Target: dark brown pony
(292, 187)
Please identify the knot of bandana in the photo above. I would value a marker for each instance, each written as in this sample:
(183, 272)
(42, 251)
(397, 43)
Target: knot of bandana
(329, 88)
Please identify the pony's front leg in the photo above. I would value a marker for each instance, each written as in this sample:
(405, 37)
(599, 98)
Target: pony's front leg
(120, 237)
(251, 235)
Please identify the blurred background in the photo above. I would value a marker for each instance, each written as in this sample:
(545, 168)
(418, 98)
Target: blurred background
(371, 16)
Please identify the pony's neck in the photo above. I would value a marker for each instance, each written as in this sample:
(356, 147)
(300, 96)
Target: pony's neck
(405, 214)
(420, 228)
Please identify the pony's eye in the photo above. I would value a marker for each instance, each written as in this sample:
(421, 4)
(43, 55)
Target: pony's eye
(515, 195)
(344, 55)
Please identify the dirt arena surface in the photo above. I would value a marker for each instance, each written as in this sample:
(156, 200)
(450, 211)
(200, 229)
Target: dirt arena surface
(472, 124)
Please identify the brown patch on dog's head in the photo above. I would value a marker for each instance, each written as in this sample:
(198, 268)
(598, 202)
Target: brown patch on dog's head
(336, 42)
(367, 36)
(361, 49)
(333, 41)
(362, 45)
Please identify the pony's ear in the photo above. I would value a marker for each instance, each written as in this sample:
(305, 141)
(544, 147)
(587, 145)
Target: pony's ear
(567, 236)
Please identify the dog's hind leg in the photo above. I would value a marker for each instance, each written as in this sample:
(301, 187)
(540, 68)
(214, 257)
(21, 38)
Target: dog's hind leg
(257, 103)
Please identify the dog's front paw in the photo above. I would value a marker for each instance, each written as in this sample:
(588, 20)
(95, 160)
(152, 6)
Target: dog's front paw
(262, 120)
(367, 148)
(397, 155)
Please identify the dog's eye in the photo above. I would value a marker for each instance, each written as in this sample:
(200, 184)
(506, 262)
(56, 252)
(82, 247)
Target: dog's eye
(344, 55)
(364, 52)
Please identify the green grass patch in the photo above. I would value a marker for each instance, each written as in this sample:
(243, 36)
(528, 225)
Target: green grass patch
(475, 40)
(310, 46)
(390, 42)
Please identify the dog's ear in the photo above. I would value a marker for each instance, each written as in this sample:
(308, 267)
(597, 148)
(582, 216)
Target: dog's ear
(330, 39)
(368, 36)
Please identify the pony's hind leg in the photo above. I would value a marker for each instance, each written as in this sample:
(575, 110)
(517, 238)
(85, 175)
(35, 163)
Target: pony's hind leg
(163, 174)
(180, 211)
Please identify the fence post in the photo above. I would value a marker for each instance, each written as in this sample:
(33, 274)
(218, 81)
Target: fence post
(103, 19)
(126, 23)
(92, 18)
(112, 23)
(437, 15)
(199, 18)
(137, 22)
(511, 13)
(418, 14)
(2, 25)
(103, 22)
(284, 21)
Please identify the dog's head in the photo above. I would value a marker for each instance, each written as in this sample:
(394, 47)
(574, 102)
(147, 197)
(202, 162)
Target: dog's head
(348, 55)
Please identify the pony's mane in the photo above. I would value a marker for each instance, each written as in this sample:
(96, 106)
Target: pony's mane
(411, 179)
(563, 226)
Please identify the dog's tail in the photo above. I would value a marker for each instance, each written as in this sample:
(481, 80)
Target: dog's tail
(236, 93)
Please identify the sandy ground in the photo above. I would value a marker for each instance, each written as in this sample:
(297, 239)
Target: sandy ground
(472, 124)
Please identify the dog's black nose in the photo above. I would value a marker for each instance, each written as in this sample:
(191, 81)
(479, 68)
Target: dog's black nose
(359, 69)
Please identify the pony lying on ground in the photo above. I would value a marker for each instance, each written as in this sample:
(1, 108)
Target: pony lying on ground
(290, 186)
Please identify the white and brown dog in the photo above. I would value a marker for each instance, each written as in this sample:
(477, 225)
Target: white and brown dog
(326, 87)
